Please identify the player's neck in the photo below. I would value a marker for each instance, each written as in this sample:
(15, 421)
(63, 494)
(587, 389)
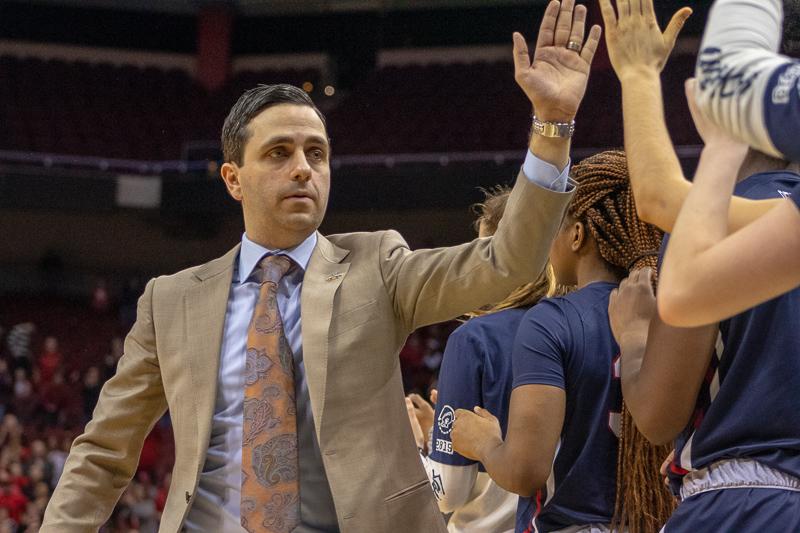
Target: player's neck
(756, 162)
(591, 269)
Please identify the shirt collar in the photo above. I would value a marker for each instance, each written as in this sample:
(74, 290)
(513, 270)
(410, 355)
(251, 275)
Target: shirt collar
(251, 253)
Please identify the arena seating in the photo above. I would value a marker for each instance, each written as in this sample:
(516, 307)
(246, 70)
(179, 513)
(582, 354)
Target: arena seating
(129, 112)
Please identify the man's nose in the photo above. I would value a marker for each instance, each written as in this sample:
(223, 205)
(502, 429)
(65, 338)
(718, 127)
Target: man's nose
(301, 170)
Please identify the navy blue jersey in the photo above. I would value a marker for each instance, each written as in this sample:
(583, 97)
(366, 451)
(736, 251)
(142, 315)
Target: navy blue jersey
(796, 196)
(782, 109)
(476, 370)
(749, 404)
(566, 342)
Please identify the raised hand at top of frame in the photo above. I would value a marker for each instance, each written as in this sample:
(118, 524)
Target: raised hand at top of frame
(555, 81)
(633, 37)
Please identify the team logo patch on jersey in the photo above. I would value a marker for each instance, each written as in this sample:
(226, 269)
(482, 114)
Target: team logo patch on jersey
(445, 420)
(784, 194)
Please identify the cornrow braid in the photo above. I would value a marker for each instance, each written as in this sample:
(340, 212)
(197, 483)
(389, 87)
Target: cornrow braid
(605, 205)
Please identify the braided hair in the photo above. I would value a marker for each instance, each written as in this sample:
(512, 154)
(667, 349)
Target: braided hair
(605, 205)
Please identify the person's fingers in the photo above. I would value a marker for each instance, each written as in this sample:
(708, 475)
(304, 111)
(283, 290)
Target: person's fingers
(417, 400)
(590, 47)
(608, 13)
(676, 25)
(646, 275)
(483, 413)
(522, 59)
(564, 24)
(612, 299)
(636, 8)
(547, 29)
(434, 396)
(623, 9)
(578, 25)
(647, 9)
(461, 413)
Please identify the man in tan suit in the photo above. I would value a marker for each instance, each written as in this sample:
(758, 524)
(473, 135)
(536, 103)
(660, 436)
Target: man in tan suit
(347, 306)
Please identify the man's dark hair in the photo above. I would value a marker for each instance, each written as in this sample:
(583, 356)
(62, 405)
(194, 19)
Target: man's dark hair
(790, 44)
(234, 131)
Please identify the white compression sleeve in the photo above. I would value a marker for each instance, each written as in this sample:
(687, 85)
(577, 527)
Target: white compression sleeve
(744, 85)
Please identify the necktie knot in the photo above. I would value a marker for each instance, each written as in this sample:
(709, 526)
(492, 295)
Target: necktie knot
(272, 268)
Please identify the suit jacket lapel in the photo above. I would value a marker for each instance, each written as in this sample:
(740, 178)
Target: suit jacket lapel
(206, 302)
(323, 278)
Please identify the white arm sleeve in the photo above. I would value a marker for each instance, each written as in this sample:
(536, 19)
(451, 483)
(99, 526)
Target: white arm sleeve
(452, 485)
(744, 85)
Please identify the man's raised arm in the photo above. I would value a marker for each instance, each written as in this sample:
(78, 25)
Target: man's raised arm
(434, 285)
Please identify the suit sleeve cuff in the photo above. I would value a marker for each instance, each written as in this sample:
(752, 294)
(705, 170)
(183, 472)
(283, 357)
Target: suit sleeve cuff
(544, 174)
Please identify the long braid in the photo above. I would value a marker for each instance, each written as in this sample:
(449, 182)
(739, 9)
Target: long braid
(604, 203)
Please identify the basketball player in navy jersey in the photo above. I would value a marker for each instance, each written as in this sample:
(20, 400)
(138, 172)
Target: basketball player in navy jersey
(752, 92)
(560, 450)
(476, 370)
(727, 393)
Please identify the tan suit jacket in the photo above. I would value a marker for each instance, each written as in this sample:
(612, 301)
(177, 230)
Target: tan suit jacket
(363, 293)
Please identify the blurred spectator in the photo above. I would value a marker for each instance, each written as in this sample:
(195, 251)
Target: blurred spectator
(59, 402)
(6, 387)
(112, 357)
(24, 402)
(100, 297)
(49, 360)
(7, 524)
(19, 344)
(91, 390)
(57, 455)
(11, 497)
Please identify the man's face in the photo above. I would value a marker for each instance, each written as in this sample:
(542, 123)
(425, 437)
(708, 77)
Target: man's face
(284, 180)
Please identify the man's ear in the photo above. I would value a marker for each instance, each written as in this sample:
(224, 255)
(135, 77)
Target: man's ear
(577, 236)
(230, 175)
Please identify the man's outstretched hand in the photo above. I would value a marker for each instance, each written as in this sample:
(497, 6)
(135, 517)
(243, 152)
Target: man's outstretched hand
(555, 81)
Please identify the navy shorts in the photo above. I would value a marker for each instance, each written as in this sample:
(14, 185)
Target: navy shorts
(737, 510)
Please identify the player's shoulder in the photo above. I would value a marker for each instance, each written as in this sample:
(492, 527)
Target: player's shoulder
(766, 185)
(489, 327)
(572, 307)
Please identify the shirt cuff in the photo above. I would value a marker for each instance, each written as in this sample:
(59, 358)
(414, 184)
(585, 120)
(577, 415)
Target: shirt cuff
(544, 174)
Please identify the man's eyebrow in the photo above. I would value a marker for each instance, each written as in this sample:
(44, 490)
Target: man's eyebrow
(287, 139)
(279, 139)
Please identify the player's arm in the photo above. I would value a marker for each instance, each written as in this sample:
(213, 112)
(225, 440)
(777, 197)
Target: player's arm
(459, 386)
(662, 367)
(433, 285)
(521, 462)
(709, 275)
(745, 86)
(103, 459)
(638, 52)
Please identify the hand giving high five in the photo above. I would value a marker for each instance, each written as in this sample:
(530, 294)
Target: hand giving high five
(555, 81)
(633, 37)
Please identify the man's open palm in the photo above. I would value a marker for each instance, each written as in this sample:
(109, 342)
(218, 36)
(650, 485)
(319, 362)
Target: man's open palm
(555, 81)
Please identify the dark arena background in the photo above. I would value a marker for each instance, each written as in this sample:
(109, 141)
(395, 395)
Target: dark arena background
(110, 115)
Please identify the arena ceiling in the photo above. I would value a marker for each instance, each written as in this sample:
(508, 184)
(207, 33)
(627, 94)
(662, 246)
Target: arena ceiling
(284, 7)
